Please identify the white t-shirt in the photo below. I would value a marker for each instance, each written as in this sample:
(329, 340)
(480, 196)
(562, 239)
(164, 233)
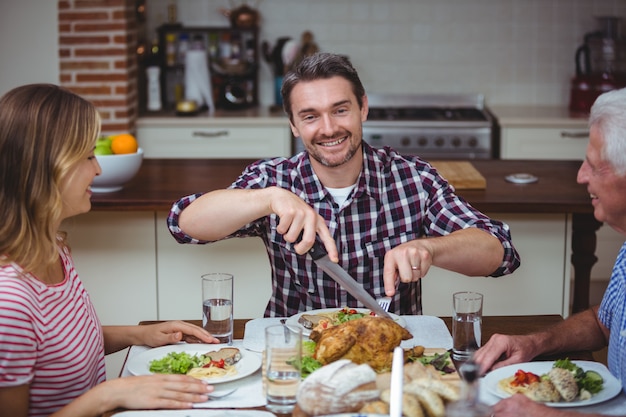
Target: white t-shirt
(340, 195)
(50, 337)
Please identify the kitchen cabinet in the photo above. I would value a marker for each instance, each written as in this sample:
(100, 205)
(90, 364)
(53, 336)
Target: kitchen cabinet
(136, 271)
(538, 286)
(549, 133)
(115, 257)
(543, 143)
(214, 137)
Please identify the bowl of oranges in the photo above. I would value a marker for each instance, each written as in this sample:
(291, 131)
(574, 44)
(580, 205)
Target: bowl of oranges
(120, 158)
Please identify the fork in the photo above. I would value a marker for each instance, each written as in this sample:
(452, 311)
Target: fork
(385, 301)
(216, 395)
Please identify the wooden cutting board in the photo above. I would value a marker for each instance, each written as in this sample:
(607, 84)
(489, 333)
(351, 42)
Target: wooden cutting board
(461, 174)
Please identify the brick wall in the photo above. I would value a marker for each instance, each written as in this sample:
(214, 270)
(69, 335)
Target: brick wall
(97, 55)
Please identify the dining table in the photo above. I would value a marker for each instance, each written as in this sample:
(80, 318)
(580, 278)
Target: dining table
(521, 324)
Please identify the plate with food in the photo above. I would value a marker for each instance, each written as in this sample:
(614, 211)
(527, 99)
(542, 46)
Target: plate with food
(561, 383)
(213, 363)
(328, 317)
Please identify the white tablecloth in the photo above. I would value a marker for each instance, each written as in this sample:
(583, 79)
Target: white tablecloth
(427, 331)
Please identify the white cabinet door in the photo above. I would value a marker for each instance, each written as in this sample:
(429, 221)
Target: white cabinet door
(181, 265)
(214, 140)
(115, 258)
(538, 286)
(543, 143)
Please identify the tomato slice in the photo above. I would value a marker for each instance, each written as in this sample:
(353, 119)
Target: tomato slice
(523, 378)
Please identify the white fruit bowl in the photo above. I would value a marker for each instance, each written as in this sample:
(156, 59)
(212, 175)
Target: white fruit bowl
(117, 170)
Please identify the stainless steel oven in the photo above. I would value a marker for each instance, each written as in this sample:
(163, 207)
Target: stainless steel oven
(432, 126)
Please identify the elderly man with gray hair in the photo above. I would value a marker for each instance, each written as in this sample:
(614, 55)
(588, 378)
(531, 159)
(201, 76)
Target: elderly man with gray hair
(604, 173)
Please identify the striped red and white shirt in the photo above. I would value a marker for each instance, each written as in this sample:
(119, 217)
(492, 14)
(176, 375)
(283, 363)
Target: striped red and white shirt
(50, 337)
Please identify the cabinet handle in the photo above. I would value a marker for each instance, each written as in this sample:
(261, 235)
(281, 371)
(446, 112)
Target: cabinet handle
(214, 134)
(574, 135)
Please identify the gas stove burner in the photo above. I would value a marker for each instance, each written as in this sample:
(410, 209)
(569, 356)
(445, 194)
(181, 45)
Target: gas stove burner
(431, 126)
(426, 114)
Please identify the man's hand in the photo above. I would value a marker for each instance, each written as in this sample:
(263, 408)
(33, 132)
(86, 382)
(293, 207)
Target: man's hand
(407, 262)
(298, 220)
(502, 350)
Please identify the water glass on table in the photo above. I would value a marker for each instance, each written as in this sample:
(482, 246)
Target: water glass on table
(467, 321)
(281, 367)
(217, 305)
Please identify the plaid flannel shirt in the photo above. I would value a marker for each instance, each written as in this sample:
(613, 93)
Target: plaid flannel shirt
(397, 199)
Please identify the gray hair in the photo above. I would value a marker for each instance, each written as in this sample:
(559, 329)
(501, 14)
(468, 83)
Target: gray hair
(608, 114)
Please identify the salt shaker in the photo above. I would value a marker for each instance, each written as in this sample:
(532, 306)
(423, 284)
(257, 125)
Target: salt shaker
(469, 404)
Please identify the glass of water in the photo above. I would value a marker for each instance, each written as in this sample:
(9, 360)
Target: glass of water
(466, 324)
(217, 305)
(282, 359)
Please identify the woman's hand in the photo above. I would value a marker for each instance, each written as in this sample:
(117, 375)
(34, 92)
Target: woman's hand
(139, 392)
(171, 332)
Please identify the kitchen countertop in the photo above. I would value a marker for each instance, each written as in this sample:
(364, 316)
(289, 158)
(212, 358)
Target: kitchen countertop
(160, 182)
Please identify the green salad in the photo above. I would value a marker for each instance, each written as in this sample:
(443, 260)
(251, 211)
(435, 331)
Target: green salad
(178, 363)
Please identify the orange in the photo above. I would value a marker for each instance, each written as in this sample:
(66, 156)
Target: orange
(124, 143)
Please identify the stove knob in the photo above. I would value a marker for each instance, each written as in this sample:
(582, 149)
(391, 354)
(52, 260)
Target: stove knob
(472, 142)
(422, 141)
(440, 142)
(456, 142)
(405, 141)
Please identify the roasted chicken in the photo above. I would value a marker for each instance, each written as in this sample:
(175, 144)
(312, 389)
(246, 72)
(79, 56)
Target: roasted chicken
(369, 340)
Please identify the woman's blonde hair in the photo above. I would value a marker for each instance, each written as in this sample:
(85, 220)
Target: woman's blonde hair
(45, 130)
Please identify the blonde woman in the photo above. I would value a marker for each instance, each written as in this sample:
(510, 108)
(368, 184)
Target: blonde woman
(52, 345)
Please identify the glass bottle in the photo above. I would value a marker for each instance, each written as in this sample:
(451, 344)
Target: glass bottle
(469, 405)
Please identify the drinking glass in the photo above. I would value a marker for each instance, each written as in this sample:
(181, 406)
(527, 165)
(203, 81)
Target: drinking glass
(217, 305)
(466, 324)
(282, 359)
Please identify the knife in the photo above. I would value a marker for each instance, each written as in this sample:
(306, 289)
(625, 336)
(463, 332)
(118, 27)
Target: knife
(320, 256)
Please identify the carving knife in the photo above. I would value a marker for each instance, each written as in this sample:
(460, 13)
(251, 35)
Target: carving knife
(336, 272)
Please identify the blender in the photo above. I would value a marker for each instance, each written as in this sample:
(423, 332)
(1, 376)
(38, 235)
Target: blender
(600, 64)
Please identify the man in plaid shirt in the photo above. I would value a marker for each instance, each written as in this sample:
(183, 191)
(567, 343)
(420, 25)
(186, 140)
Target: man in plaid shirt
(384, 217)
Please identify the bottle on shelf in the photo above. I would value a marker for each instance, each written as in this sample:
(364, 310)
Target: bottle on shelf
(170, 49)
(469, 405)
(183, 47)
(154, 88)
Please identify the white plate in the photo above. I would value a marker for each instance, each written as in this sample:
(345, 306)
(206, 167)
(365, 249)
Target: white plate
(293, 320)
(612, 386)
(140, 364)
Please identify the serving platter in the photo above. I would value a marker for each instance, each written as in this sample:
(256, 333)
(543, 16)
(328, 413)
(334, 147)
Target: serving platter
(247, 365)
(612, 386)
(293, 320)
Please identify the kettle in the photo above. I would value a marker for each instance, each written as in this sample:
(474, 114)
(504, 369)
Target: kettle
(600, 65)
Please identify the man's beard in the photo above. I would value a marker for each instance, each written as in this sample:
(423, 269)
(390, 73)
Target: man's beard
(351, 152)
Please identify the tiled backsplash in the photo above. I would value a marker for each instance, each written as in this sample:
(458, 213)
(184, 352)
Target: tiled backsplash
(513, 51)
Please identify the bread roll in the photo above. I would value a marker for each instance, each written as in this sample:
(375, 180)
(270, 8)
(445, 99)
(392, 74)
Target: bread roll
(339, 387)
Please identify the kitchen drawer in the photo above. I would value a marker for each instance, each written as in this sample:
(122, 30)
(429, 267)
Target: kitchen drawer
(214, 141)
(543, 143)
